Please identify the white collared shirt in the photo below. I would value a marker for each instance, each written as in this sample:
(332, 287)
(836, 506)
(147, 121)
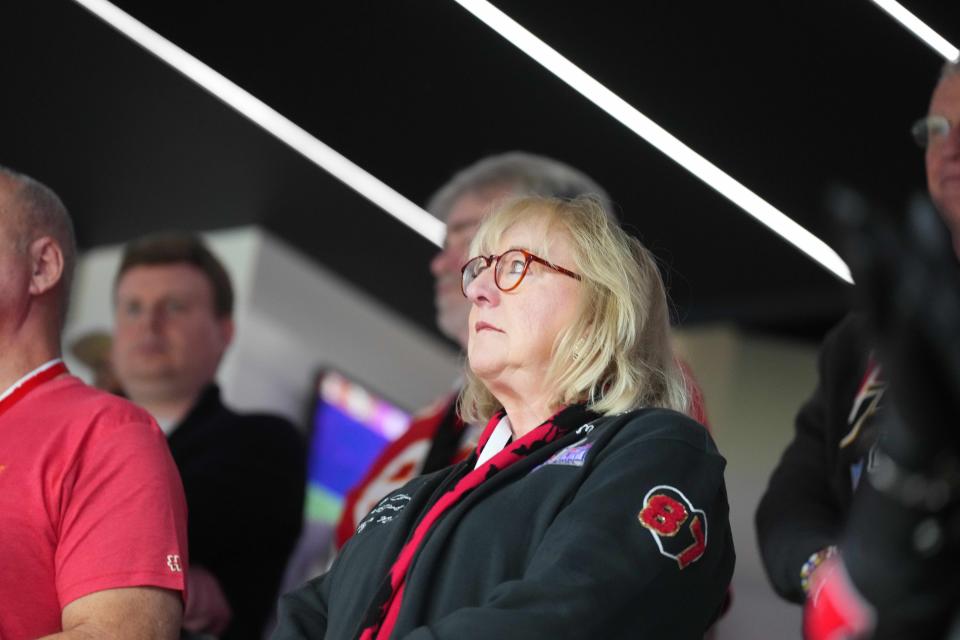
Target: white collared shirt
(500, 438)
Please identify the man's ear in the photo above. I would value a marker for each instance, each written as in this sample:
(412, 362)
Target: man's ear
(227, 330)
(46, 264)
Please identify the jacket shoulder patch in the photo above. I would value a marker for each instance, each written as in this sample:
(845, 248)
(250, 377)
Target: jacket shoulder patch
(678, 528)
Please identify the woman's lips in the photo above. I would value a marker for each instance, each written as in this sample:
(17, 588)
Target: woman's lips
(486, 326)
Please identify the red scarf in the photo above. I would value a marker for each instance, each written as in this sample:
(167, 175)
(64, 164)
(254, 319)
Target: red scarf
(382, 626)
(26, 386)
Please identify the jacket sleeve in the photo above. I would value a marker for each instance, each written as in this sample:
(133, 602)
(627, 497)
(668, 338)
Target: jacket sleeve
(302, 613)
(799, 514)
(599, 571)
(246, 516)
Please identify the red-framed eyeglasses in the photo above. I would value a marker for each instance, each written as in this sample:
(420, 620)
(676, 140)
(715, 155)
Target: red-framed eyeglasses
(509, 270)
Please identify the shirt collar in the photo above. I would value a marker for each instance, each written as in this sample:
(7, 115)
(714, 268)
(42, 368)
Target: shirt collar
(16, 385)
(502, 433)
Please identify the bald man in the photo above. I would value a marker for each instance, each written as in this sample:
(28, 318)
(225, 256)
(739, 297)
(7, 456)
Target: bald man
(92, 513)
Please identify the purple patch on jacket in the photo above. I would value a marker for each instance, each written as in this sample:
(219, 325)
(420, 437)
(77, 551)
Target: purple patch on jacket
(571, 456)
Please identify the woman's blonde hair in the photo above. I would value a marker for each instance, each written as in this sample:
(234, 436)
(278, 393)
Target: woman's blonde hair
(617, 354)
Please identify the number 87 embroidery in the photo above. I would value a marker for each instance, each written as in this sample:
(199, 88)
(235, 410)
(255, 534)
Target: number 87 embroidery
(664, 513)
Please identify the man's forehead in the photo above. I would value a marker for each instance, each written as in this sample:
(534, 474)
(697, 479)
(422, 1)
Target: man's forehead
(459, 227)
(469, 209)
(9, 215)
(946, 96)
(178, 278)
(9, 220)
(8, 184)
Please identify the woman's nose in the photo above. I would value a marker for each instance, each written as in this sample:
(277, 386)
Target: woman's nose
(483, 289)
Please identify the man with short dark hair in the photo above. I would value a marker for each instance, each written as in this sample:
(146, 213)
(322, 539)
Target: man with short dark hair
(244, 475)
(92, 514)
(174, 308)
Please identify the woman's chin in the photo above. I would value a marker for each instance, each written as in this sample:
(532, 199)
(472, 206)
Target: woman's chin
(485, 369)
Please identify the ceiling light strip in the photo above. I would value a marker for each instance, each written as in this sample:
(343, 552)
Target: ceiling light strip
(272, 121)
(919, 28)
(650, 131)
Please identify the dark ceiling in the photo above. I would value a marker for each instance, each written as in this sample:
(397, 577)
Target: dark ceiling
(789, 97)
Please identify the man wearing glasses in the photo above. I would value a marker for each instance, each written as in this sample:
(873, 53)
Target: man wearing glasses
(941, 138)
(803, 512)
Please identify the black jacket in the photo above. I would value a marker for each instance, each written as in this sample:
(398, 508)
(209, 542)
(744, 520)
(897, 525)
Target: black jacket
(244, 478)
(550, 547)
(810, 492)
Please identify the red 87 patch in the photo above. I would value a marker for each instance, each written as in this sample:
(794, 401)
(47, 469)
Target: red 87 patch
(678, 528)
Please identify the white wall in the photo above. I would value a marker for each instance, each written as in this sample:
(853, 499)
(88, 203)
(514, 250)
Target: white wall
(292, 317)
(302, 316)
(753, 387)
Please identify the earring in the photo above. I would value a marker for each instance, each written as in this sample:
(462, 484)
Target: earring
(577, 347)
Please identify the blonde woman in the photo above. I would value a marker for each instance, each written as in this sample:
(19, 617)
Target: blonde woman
(592, 507)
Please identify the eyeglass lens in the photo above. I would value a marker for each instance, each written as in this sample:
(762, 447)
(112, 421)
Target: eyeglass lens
(509, 270)
(929, 130)
(472, 270)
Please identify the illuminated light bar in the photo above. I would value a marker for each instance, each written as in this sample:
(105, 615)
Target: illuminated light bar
(919, 28)
(272, 121)
(659, 137)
